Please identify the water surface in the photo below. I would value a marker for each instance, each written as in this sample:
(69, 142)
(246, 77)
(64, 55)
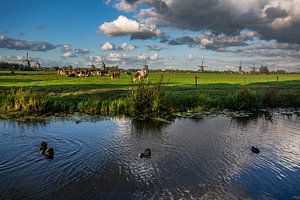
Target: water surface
(98, 159)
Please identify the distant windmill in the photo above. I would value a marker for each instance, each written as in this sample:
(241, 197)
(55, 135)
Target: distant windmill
(202, 66)
(103, 64)
(240, 68)
(27, 61)
(145, 65)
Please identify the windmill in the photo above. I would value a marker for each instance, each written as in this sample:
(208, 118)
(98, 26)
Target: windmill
(27, 61)
(240, 68)
(145, 65)
(103, 64)
(202, 66)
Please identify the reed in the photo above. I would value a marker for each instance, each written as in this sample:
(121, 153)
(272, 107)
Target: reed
(149, 100)
(144, 101)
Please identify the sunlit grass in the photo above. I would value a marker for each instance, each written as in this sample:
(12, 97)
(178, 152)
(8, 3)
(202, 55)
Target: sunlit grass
(27, 93)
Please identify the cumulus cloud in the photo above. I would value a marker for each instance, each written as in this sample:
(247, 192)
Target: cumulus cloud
(271, 49)
(10, 43)
(127, 47)
(154, 56)
(12, 58)
(66, 47)
(124, 26)
(216, 42)
(221, 42)
(68, 54)
(142, 56)
(272, 19)
(107, 46)
(185, 40)
(114, 57)
(124, 6)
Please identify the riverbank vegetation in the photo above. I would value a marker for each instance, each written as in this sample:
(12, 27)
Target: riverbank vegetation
(44, 93)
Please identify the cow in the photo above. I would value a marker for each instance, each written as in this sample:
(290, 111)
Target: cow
(141, 74)
(115, 74)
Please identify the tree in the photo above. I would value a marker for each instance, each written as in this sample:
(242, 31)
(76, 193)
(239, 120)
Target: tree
(264, 70)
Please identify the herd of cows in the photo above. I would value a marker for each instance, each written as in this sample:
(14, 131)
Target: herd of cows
(97, 72)
(87, 73)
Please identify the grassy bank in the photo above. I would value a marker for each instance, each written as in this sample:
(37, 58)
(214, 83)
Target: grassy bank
(44, 93)
(145, 101)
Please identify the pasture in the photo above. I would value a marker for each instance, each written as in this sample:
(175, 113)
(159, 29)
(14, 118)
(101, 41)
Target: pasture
(175, 81)
(44, 92)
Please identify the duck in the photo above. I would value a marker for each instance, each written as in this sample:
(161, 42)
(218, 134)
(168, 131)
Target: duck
(49, 153)
(255, 150)
(146, 154)
(43, 147)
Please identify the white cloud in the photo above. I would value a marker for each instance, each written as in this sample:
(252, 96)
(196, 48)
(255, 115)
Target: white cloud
(272, 19)
(142, 56)
(127, 47)
(124, 26)
(66, 47)
(154, 57)
(114, 57)
(124, 6)
(191, 56)
(69, 54)
(121, 26)
(107, 46)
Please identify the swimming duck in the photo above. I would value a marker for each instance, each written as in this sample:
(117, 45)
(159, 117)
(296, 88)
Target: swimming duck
(255, 150)
(146, 154)
(49, 153)
(43, 147)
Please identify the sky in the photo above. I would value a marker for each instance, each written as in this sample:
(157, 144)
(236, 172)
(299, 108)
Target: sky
(167, 34)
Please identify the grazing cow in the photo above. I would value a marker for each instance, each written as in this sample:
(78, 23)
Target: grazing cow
(115, 74)
(141, 74)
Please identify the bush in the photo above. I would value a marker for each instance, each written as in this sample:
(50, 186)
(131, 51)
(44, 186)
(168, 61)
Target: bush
(148, 101)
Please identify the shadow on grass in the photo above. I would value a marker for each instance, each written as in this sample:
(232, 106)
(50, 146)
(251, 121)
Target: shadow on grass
(171, 86)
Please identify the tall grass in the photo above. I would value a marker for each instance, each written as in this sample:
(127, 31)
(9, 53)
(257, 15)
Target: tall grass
(149, 100)
(23, 101)
(146, 101)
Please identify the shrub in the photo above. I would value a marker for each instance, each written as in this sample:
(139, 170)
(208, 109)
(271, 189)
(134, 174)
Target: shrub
(148, 101)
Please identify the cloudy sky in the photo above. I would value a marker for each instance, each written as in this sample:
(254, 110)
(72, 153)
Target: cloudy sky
(169, 34)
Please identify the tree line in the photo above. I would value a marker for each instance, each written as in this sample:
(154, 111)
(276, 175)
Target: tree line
(14, 66)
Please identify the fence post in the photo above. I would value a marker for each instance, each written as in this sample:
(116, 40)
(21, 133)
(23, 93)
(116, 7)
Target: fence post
(277, 78)
(196, 80)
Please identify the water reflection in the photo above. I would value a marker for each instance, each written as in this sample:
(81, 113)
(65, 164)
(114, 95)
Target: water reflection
(146, 126)
(98, 159)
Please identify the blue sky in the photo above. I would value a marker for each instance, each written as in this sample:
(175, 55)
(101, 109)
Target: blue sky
(169, 34)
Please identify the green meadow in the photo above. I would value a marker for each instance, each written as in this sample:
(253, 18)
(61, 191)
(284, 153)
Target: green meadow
(40, 92)
(49, 81)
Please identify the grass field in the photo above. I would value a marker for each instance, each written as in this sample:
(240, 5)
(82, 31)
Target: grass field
(49, 81)
(46, 92)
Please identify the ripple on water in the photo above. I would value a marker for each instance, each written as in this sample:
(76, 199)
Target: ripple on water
(209, 158)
